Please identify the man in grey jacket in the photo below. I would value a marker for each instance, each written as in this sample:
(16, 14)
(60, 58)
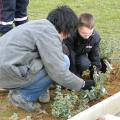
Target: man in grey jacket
(31, 57)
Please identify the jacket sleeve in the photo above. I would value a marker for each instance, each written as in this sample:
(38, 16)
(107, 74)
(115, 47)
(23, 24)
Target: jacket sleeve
(94, 55)
(50, 50)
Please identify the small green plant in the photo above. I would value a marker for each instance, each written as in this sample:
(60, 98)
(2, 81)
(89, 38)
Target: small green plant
(64, 103)
(99, 90)
(14, 116)
(109, 47)
(81, 104)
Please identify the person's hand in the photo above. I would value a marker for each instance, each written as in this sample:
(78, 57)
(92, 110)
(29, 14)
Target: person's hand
(88, 84)
(101, 118)
(109, 117)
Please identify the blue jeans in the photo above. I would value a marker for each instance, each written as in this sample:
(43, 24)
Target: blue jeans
(40, 84)
(82, 63)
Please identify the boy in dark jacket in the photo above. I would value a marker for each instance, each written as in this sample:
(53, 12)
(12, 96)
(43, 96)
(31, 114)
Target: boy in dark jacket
(84, 46)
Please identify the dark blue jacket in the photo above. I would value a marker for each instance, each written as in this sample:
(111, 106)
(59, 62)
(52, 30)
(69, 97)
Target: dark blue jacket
(88, 47)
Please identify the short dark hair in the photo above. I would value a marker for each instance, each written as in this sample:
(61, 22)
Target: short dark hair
(86, 19)
(64, 19)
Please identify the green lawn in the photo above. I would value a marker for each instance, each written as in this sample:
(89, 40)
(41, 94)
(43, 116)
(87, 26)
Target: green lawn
(107, 15)
(106, 12)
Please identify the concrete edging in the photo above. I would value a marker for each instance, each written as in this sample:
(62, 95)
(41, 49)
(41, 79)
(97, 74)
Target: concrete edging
(110, 105)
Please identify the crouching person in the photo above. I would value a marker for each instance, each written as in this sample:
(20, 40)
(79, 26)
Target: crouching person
(32, 58)
(84, 46)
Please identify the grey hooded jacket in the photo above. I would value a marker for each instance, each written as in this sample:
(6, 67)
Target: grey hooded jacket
(30, 48)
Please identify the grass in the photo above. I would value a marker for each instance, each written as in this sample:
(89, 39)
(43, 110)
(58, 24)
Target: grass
(107, 15)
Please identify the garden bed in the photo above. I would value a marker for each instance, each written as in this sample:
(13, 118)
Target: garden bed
(6, 110)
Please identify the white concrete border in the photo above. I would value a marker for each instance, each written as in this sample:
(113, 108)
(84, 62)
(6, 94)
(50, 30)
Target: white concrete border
(110, 105)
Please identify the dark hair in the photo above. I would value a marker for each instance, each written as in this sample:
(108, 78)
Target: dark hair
(86, 19)
(64, 19)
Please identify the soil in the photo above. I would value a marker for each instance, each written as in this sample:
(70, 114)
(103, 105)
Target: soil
(112, 84)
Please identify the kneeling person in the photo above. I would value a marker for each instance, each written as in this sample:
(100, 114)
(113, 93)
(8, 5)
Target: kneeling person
(85, 44)
(31, 57)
